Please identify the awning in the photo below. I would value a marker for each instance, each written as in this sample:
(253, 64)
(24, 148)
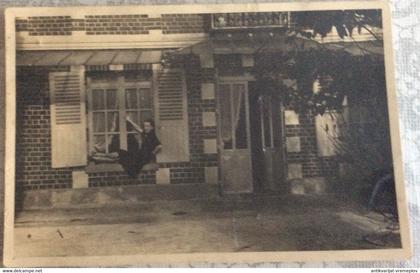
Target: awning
(281, 45)
(88, 57)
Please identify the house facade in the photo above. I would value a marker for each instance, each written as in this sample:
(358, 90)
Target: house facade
(80, 75)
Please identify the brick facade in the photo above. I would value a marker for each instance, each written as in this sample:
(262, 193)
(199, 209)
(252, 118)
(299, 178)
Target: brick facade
(185, 23)
(130, 24)
(306, 156)
(33, 149)
(33, 137)
(47, 25)
(33, 160)
(312, 164)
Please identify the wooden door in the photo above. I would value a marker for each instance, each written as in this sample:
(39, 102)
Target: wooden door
(272, 143)
(234, 137)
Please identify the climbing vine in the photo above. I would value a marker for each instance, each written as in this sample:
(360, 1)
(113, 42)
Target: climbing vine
(319, 80)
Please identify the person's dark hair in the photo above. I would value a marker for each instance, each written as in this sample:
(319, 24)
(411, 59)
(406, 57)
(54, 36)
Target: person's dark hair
(151, 121)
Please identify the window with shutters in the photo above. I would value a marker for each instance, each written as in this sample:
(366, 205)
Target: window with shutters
(112, 98)
(159, 95)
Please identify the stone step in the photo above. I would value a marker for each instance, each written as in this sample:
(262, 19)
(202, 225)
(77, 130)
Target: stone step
(108, 196)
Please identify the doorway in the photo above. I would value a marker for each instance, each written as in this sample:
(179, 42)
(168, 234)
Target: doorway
(234, 137)
(267, 140)
(251, 139)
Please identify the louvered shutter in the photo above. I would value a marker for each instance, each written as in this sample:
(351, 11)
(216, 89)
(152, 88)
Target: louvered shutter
(68, 119)
(172, 117)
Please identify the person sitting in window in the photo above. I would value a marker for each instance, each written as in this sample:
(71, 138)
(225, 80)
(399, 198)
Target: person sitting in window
(150, 143)
(140, 152)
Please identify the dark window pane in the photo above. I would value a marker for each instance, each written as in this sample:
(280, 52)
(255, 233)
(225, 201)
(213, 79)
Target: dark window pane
(99, 122)
(276, 124)
(113, 122)
(267, 122)
(111, 99)
(131, 98)
(145, 98)
(240, 124)
(136, 76)
(145, 115)
(98, 99)
(226, 116)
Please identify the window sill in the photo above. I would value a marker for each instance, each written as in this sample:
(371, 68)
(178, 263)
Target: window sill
(115, 167)
(103, 167)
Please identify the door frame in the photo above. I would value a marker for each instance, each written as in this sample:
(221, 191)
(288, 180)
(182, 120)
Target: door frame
(243, 79)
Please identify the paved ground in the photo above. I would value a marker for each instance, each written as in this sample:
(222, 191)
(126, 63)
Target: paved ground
(219, 225)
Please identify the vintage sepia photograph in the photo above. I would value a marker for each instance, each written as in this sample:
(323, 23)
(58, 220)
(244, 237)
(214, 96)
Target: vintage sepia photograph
(228, 132)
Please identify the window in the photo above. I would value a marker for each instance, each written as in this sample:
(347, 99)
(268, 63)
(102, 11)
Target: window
(139, 103)
(266, 117)
(234, 120)
(111, 98)
(105, 119)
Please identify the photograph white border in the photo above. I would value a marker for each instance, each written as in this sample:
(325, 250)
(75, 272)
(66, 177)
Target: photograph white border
(246, 257)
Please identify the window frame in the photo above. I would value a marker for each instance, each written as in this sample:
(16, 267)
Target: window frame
(139, 85)
(120, 84)
(231, 82)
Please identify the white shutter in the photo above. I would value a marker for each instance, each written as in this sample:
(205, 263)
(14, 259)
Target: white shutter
(172, 116)
(68, 119)
(327, 129)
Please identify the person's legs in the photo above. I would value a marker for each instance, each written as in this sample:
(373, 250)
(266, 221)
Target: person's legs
(131, 162)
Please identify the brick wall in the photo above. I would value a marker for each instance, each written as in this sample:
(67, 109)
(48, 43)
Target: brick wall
(33, 143)
(33, 149)
(48, 25)
(312, 164)
(304, 152)
(129, 24)
(100, 179)
(34, 152)
(185, 23)
(33, 137)
(120, 24)
(195, 76)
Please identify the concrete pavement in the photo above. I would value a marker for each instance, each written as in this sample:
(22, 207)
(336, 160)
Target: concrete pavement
(253, 223)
